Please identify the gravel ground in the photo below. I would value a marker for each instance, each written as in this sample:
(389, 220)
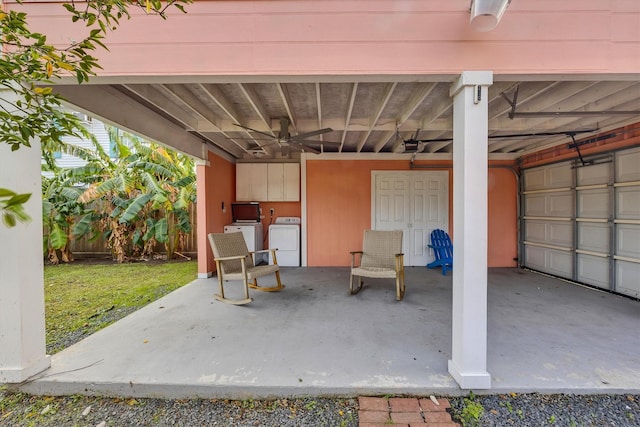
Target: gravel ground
(73, 411)
(536, 410)
(524, 410)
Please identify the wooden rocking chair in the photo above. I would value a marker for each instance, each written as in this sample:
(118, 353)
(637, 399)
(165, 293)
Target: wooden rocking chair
(442, 250)
(381, 257)
(235, 262)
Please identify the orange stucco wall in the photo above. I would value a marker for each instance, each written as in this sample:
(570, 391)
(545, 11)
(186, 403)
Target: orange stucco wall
(216, 185)
(339, 209)
(503, 218)
(339, 203)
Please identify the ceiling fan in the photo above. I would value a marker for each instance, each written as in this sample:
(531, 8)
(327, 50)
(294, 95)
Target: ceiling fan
(285, 140)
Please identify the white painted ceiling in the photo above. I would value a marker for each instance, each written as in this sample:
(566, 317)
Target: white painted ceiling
(378, 116)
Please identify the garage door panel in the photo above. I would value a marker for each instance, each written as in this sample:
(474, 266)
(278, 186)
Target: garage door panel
(544, 178)
(560, 175)
(549, 204)
(627, 162)
(552, 233)
(534, 258)
(549, 260)
(561, 234)
(560, 263)
(593, 270)
(583, 222)
(627, 282)
(535, 231)
(534, 179)
(594, 174)
(628, 202)
(535, 205)
(593, 203)
(561, 205)
(593, 237)
(628, 240)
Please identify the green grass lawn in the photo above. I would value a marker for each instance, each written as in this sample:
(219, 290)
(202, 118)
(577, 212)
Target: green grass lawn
(81, 298)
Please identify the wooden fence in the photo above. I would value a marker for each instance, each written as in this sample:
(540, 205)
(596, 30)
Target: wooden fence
(84, 246)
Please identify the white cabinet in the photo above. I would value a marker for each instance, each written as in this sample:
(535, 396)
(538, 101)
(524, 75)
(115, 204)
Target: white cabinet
(283, 182)
(251, 182)
(268, 182)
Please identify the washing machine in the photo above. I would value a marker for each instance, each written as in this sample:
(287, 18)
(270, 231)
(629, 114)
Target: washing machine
(284, 235)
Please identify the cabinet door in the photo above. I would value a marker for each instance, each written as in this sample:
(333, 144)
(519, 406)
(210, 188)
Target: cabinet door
(243, 182)
(291, 182)
(275, 180)
(251, 182)
(259, 182)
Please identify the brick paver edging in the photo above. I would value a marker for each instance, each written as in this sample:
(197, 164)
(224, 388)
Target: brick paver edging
(403, 412)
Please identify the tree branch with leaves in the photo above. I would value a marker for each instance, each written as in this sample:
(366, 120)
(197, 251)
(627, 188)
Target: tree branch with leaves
(29, 66)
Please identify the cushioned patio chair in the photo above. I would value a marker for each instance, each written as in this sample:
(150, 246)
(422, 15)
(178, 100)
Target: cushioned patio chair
(381, 257)
(235, 262)
(442, 250)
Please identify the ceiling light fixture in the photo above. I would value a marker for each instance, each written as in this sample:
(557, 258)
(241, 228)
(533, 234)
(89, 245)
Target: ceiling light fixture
(485, 14)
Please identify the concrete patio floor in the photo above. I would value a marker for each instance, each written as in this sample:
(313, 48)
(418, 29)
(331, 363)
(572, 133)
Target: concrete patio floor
(311, 339)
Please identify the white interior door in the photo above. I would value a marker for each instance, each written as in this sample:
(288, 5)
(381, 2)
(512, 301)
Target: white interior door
(415, 202)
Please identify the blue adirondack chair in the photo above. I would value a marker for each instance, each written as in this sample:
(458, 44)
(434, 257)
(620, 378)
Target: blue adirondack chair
(442, 249)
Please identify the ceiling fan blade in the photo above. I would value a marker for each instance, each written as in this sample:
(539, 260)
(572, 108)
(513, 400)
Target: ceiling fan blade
(308, 149)
(269, 144)
(313, 141)
(308, 134)
(303, 147)
(253, 130)
(251, 139)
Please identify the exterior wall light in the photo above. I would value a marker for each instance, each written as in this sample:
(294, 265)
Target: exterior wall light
(485, 14)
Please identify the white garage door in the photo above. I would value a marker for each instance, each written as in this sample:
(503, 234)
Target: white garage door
(582, 222)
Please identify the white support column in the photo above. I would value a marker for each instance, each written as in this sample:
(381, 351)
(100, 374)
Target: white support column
(204, 270)
(468, 364)
(303, 208)
(22, 325)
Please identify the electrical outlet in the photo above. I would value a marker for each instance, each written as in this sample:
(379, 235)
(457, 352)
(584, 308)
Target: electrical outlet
(272, 211)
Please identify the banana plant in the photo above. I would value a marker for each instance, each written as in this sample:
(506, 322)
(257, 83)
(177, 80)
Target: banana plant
(146, 192)
(60, 208)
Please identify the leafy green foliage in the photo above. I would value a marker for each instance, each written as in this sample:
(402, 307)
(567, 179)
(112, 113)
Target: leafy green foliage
(29, 64)
(472, 412)
(11, 207)
(133, 201)
(144, 195)
(60, 208)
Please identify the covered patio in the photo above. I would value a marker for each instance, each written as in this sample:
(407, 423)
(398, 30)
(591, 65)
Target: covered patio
(544, 335)
(434, 98)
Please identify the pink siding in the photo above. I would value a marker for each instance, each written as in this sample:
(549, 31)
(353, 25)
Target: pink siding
(343, 37)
